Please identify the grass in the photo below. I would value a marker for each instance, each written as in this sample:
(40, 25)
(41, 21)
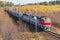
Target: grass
(39, 8)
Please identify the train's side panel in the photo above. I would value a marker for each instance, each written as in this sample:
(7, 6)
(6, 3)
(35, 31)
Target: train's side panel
(13, 13)
(25, 18)
(30, 20)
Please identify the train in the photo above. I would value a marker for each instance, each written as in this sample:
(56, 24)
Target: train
(41, 22)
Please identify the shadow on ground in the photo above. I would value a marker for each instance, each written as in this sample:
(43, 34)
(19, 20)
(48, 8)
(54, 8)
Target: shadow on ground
(32, 28)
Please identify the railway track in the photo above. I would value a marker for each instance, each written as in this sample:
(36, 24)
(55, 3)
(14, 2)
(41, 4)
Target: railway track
(53, 34)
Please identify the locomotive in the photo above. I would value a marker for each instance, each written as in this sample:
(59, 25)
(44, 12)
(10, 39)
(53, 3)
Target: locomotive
(41, 22)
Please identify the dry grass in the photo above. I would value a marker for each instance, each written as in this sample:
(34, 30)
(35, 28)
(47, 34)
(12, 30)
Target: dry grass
(55, 30)
(8, 28)
(39, 8)
(35, 36)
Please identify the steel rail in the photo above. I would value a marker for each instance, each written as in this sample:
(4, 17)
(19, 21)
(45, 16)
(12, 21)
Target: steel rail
(53, 34)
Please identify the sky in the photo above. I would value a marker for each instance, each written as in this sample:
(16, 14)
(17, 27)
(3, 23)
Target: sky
(22, 2)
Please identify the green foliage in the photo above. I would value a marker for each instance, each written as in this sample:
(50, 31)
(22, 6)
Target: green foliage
(56, 24)
(3, 4)
(54, 2)
(9, 4)
(57, 2)
(43, 3)
(50, 3)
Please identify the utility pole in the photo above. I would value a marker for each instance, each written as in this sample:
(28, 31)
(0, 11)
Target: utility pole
(55, 2)
(35, 18)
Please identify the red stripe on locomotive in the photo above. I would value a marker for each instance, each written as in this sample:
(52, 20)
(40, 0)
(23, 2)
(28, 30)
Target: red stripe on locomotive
(44, 23)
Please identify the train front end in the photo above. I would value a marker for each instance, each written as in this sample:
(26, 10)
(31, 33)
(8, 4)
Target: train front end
(46, 22)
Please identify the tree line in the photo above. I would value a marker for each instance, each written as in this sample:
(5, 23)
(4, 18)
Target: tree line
(50, 3)
(4, 4)
(47, 3)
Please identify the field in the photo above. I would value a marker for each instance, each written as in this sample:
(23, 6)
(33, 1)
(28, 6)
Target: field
(38, 8)
(22, 29)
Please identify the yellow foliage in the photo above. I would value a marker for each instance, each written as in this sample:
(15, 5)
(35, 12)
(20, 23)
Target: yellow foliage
(39, 8)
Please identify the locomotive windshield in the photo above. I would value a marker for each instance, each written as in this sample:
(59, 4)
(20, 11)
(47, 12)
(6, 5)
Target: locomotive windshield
(48, 20)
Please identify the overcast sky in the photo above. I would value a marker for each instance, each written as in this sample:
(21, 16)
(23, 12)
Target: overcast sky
(25, 1)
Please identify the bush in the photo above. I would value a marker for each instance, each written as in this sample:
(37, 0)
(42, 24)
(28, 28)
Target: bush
(56, 24)
(3, 4)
